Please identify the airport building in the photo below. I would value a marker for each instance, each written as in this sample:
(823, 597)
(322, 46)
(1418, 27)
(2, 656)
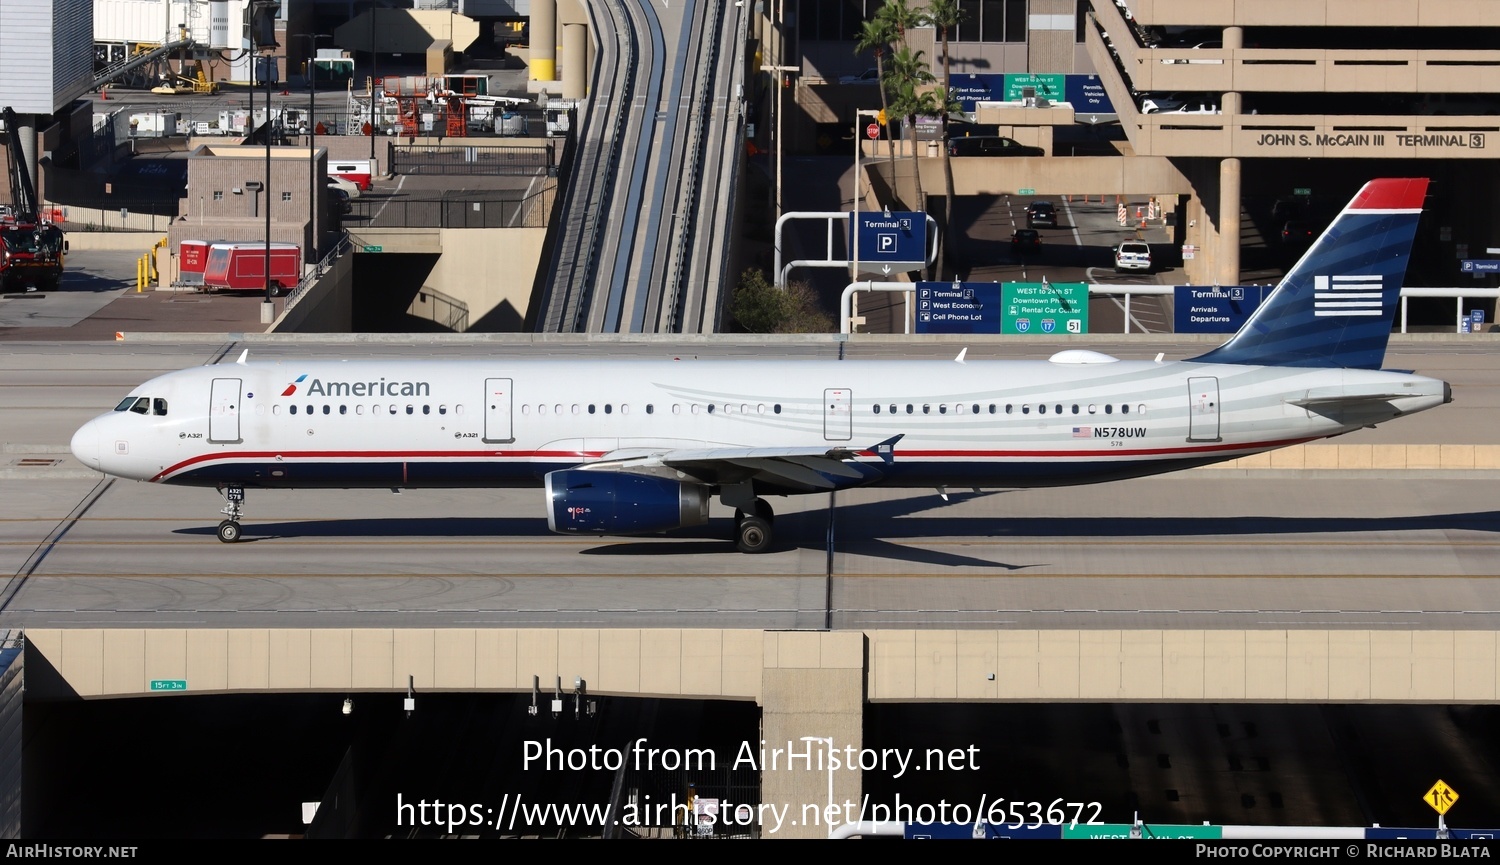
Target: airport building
(1258, 117)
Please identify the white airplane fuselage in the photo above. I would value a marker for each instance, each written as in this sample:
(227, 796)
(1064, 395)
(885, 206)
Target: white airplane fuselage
(1078, 418)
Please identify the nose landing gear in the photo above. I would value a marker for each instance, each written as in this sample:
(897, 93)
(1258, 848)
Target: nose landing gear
(229, 529)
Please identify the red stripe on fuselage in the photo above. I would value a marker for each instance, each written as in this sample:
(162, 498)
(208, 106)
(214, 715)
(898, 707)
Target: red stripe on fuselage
(548, 455)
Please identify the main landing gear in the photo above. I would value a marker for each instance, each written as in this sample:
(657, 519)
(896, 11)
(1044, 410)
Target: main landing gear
(752, 531)
(229, 529)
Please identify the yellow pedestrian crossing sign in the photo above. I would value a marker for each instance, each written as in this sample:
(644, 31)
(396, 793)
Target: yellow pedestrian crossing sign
(1441, 797)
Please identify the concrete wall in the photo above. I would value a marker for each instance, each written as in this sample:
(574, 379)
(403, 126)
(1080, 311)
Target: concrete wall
(811, 676)
(328, 305)
(490, 270)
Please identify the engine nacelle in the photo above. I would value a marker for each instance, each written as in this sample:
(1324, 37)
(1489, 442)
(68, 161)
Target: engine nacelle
(618, 503)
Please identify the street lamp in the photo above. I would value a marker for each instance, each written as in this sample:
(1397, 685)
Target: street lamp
(312, 142)
(373, 78)
(858, 147)
(780, 84)
(261, 11)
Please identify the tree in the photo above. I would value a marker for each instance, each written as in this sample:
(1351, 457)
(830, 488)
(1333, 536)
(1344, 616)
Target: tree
(945, 15)
(759, 307)
(900, 17)
(876, 35)
(911, 97)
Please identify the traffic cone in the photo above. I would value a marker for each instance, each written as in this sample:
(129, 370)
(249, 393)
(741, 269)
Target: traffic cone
(103, 95)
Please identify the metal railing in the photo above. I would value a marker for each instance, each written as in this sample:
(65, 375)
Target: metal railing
(458, 209)
(309, 279)
(491, 160)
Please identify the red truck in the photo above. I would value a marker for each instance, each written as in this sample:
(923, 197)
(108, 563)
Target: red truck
(31, 246)
(242, 267)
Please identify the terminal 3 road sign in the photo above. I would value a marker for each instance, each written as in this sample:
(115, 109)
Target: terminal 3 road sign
(890, 242)
(1040, 308)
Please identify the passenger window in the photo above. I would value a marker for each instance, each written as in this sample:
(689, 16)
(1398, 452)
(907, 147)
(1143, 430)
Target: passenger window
(159, 407)
(877, 409)
(1041, 409)
(359, 409)
(650, 409)
(910, 409)
(710, 408)
(426, 409)
(1075, 408)
(976, 408)
(1025, 409)
(1125, 409)
(609, 409)
(760, 409)
(327, 409)
(292, 409)
(1109, 409)
(778, 408)
(395, 408)
(343, 409)
(591, 408)
(676, 409)
(943, 409)
(624, 408)
(442, 409)
(926, 409)
(1057, 409)
(525, 408)
(309, 409)
(459, 409)
(1140, 409)
(275, 410)
(693, 408)
(893, 408)
(1093, 408)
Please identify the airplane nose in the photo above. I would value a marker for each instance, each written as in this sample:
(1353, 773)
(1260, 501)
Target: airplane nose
(85, 445)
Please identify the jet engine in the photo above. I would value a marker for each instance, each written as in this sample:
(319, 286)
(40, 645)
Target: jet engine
(618, 503)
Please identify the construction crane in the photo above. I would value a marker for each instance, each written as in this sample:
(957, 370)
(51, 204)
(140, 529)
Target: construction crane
(31, 248)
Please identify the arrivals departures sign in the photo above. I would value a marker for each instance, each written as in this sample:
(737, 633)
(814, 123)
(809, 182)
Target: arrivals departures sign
(1021, 308)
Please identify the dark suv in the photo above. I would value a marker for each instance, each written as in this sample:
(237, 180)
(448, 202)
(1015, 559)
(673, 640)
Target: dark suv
(1041, 214)
(991, 145)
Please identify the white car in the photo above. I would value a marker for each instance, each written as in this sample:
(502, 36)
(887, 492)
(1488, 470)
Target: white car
(348, 186)
(1133, 255)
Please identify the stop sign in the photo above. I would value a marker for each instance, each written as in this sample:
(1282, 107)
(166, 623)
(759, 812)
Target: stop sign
(873, 130)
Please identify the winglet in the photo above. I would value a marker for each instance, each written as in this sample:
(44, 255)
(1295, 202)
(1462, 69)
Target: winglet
(886, 450)
(962, 352)
(243, 356)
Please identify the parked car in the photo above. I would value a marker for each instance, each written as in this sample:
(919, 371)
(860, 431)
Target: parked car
(869, 76)
(1184, 103)
(348, 186)
(991, 145)
(1297, 232)
(1133, 255)
(1025, 240)
(341, 199)
(1041, 213)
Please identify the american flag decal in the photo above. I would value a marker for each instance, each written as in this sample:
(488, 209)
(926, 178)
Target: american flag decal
(1347, 295)
(1083, 432)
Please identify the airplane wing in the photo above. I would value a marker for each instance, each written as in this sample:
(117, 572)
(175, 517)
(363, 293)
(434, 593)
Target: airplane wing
(813, 468)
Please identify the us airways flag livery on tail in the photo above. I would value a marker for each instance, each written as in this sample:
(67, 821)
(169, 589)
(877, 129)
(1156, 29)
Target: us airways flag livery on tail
(636, 447)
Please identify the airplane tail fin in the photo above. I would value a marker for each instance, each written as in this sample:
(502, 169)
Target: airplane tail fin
(1336, 305)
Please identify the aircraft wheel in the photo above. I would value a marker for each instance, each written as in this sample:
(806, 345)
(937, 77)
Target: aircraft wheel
(229, 531)
(752, 535)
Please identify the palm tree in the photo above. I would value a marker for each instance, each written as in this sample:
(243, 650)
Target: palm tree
(900, 17)
(911, 96)
(945, 15)
(876, 35)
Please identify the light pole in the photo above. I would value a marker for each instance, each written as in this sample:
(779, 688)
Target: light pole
(312, 143)
(374, 76)
(780, 84)
(858, 147)
(262, 10)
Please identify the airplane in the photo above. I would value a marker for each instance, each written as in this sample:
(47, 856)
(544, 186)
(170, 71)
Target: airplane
(632, 447)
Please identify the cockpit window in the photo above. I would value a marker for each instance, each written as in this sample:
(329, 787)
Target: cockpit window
(159, 407)
(142, 405)
(127, 403)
